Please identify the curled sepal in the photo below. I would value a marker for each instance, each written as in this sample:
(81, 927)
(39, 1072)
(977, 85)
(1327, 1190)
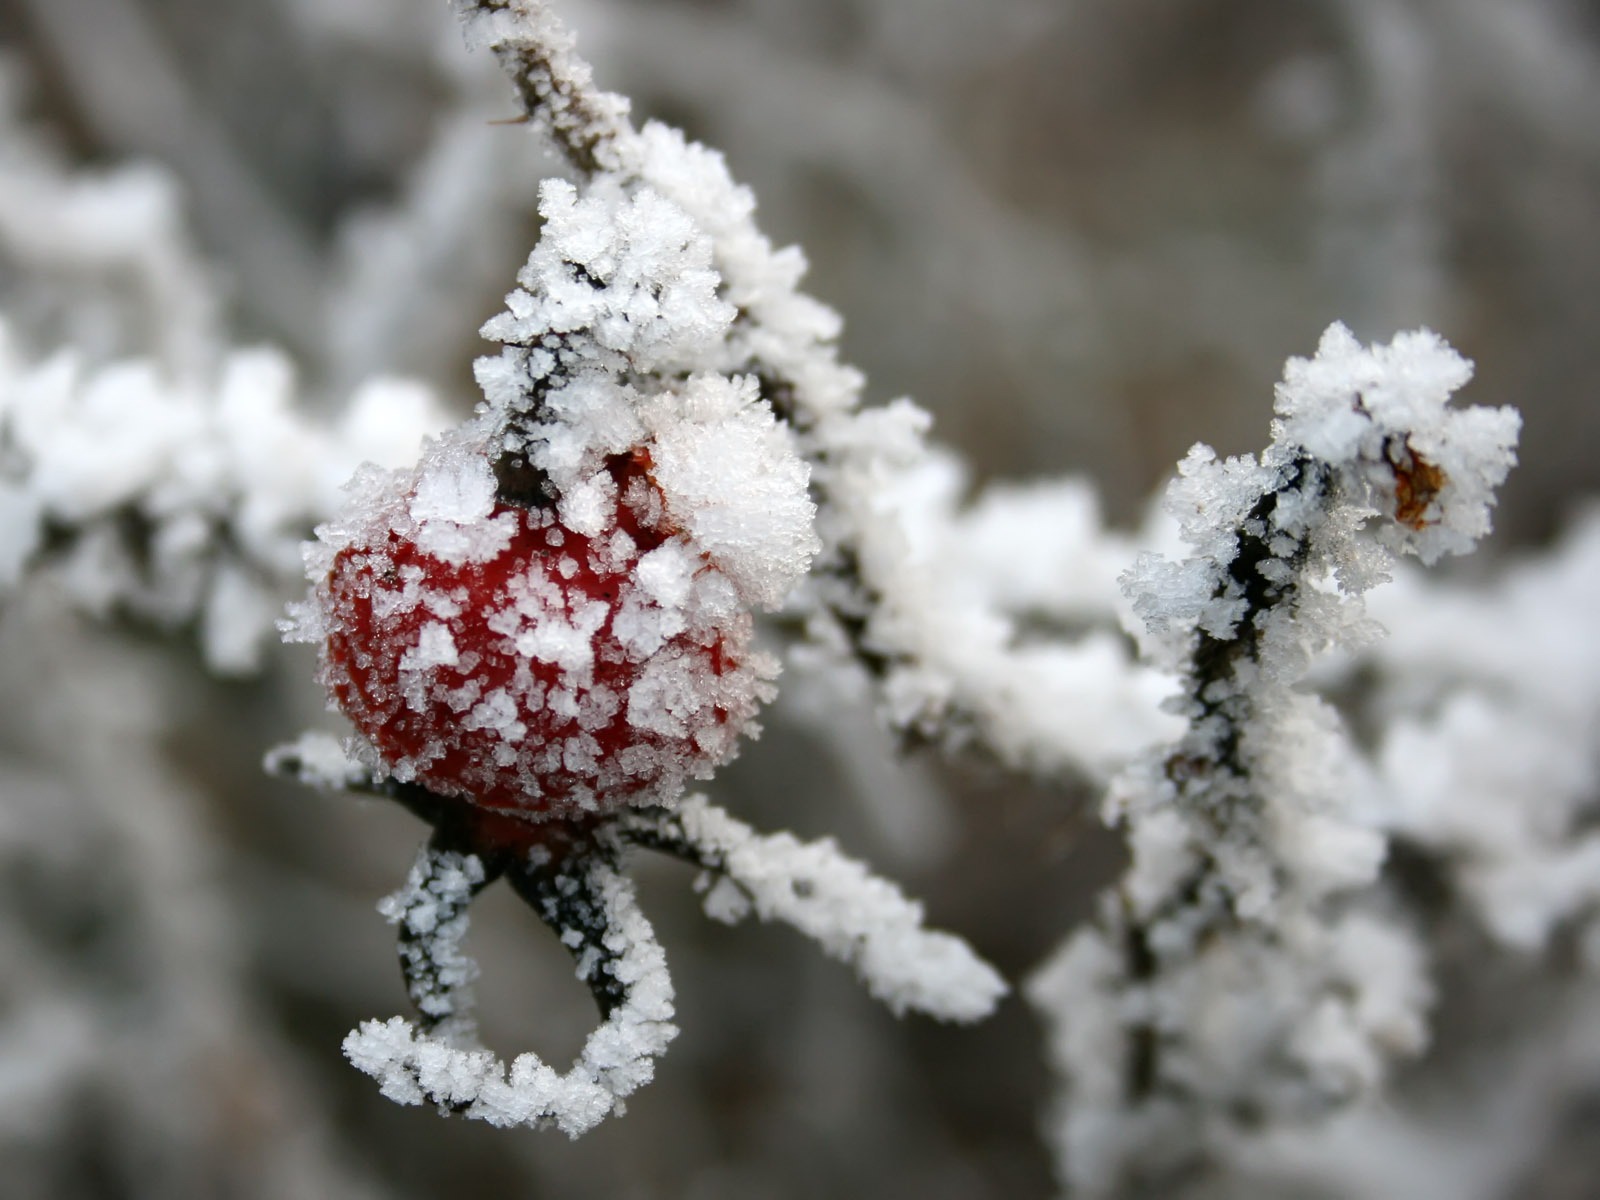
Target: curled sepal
(431, 911)
(834, 900)
(594, 909)
(567, 872)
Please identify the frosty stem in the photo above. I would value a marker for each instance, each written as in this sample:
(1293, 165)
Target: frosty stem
(443, 1064)
(1240, 973)
(1223, 708)
(431, 913)
(555, 86)
(551, 865)
(569, 871)
(564, 892)
(834, 900)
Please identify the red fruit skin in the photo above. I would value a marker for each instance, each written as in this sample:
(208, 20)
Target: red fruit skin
(426, 724)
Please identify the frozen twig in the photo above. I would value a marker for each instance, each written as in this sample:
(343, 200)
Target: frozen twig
(834, 900)
(431, 912)
(1233, 977)
(180, 502)
(570, 879)
(555, 87)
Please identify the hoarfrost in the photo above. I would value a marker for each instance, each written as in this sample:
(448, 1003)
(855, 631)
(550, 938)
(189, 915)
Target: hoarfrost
(178, 500)
(834, 900)
(1238, 969)
(442, 1064)
(729, 471)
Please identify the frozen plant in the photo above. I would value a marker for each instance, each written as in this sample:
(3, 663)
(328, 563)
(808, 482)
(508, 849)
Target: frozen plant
(1238, 975)
(180, 499)
(552, 623)
(543, 631)
(1494, 782)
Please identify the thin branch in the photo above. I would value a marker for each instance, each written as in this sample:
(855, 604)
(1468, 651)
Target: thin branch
(431, 912)
(835, 901)
(555, 87)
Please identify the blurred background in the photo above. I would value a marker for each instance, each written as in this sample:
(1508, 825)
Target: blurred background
(1083, 233)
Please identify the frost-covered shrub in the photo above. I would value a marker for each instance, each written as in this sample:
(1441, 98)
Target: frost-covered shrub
(669, 520)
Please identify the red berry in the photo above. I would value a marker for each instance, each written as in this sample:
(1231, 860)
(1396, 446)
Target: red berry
(540, 672)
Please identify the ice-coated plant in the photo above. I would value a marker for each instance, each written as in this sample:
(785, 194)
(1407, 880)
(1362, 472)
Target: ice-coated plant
(543, 632)
(546, 626)
(1238, 975)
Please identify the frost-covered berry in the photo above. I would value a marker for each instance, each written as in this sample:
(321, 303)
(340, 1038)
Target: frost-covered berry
(489, 652)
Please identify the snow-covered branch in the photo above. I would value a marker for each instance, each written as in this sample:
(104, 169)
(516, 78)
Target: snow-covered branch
(569, 875)
(431, 912)
(554, 86)
(834, 900)
(1237, 976)
(180, 502)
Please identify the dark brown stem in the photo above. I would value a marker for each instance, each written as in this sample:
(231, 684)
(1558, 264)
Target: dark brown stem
(563, 892)
(554, 87)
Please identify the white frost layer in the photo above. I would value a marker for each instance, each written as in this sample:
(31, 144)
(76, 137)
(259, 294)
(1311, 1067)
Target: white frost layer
(1499, 779)
(413, 1067)
(852, 914)
(432, 908)
(1235, 968)
(1351, 404)
(182, 501)
(100, 257)
(619, 330)
(1297, 1020)
(955, 588)
(318, 760)
(728, 471)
